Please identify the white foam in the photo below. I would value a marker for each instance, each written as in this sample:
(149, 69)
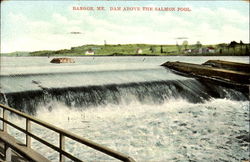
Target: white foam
(176, 129)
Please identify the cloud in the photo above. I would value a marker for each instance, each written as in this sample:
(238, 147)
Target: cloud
(75, 32)
(232, 16)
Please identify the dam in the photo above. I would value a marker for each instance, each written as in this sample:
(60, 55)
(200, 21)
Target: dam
(132, 105)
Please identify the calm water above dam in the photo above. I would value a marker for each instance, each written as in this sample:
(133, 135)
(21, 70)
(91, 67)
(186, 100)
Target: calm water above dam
(130, 104)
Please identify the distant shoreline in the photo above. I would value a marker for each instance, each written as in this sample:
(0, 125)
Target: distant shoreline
(144, 50)
(124, 55)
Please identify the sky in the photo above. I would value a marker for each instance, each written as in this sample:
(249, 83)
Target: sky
(53, 25)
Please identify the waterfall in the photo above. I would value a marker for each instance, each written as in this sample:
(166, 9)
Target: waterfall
(154, 92)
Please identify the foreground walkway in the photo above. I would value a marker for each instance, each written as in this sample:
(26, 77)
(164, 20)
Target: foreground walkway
(9, 143)
(14, 156)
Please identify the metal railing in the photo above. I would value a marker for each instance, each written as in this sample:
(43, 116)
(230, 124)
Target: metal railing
(62, 134)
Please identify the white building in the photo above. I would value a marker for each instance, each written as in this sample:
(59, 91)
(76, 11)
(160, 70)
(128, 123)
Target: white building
(211, 50)
(186, 51)
(89, 52)
(206, 50)
(139, 51)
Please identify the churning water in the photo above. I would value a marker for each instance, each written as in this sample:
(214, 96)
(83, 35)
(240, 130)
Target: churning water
(132, 105)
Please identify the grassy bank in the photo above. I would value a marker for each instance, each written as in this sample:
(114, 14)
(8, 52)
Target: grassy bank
(141, 50)
(112, 50)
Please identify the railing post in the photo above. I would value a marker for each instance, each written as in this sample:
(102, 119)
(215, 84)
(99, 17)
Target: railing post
(1, 112)
(5, 117)
(7, 152)
(28, 139)
(62, 147)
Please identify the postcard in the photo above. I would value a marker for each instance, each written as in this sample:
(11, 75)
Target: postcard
(124, 80)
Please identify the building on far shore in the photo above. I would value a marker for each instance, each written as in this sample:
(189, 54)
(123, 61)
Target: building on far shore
(187, 51)
(206, 50)
(203, 50)
(90, 52)
(138, 51)
(211, 50)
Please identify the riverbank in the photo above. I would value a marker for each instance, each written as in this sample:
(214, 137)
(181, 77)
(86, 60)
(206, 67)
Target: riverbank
(143, 50)
(125, 55)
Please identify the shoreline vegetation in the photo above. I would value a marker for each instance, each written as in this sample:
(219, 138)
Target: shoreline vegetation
(231, 49)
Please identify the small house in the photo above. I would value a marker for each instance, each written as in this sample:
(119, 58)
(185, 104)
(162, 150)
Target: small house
(206, 50)
(195, 51)
(89, 52)
(203, 50)
(138, 51)
(186, 51)
(211, 50)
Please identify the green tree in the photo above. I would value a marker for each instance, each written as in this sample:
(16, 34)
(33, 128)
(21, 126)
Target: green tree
(247, 50)
(222, 47)
(178, 48)
(152, 49)
(241, 46)
(198, 44)
(185, 44)
(233, 45)
(162, 49)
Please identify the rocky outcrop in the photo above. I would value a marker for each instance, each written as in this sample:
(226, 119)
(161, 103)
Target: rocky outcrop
(203, 71)
(62, 60)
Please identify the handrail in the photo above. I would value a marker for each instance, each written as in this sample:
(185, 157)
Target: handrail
(62, 134)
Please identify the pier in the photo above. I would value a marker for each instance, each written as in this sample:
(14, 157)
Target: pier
(224, 71)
